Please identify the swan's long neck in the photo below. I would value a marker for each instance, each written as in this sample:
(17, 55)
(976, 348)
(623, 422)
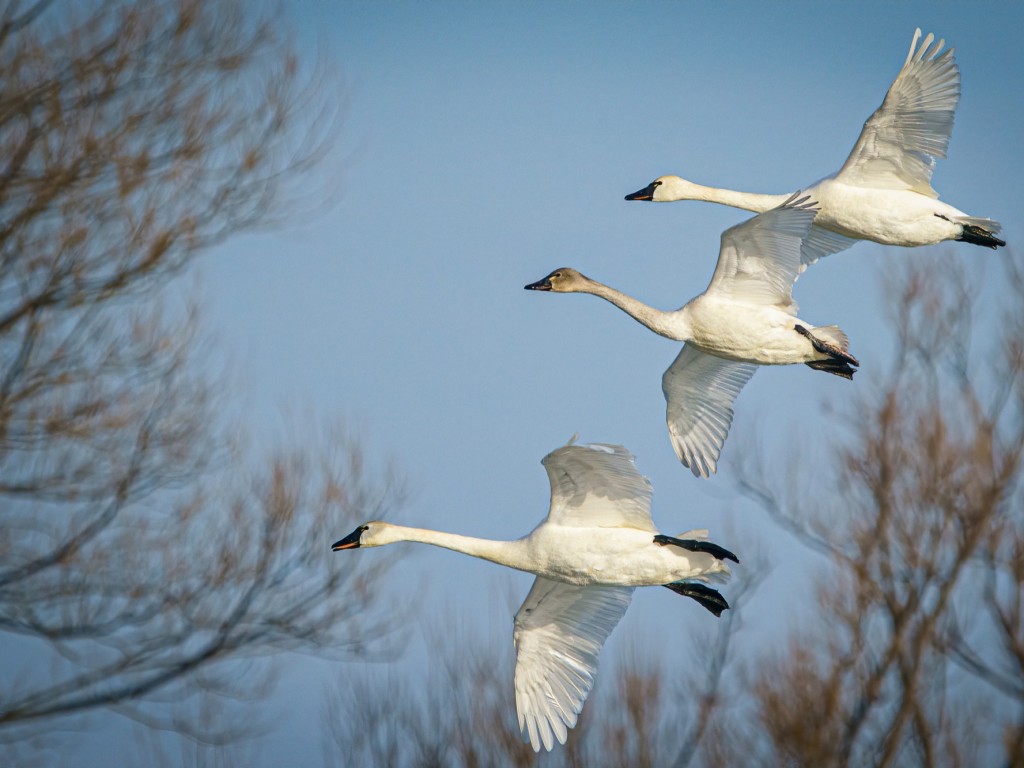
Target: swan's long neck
(510, 553)
(748, 201)
(673, 325)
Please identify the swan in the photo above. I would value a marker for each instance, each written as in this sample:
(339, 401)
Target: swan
(883, 192)
(745, 318)
(596, 545)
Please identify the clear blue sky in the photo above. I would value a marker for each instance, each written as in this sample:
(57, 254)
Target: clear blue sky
(488, 143)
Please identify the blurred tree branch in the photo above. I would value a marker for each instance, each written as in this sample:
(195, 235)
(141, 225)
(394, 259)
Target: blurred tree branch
(920, 619)
(135, 569)
(644, 714)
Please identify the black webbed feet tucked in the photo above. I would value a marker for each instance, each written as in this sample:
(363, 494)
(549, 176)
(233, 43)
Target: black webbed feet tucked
(979, 236)
(840, 362)
(706, 596)
(694, 545)
(838, 367)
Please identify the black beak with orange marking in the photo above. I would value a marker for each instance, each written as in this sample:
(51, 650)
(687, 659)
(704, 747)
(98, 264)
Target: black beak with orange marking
(647, 193)
(349, 542)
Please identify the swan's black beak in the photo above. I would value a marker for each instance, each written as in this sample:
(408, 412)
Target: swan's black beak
(349, 542)
(540, 285)
(647, 193)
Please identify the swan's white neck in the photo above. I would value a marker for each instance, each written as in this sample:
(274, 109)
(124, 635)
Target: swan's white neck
(673, 325)
(509, 553)
(748, 201)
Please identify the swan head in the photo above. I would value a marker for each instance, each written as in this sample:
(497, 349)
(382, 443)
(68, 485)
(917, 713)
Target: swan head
(663, 189)
(372, 534)
(562, 280)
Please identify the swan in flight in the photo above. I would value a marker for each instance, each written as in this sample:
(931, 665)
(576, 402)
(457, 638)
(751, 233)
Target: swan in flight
(745, 318)
(883, 192)
(596, 545)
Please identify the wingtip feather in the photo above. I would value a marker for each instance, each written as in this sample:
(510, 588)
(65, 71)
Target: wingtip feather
(913, 45)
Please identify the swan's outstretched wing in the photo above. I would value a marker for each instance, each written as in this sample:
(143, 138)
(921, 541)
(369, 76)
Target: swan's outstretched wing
(900, 141)
(598, 485)
(821, 242)
(699, 392)
(759, 260)
(559, 631)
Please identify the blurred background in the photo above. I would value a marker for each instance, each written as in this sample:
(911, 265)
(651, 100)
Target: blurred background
(261, 280)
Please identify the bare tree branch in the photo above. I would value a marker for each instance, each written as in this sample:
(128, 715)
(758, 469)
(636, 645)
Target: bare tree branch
(930, 480)
(140, 567)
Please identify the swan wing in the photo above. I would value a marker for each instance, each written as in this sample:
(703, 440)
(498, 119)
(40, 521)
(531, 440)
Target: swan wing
(759, 260)
(900, 141)
(821, 242)
(598, 485)
(559, 631)
(699, 392)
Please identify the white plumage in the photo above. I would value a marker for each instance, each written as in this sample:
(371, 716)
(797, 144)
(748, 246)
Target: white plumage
(596, 545)
(745, 318)
(883, 191)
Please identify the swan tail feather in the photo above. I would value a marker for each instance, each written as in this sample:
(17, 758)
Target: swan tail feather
(833, 336)
(694, 533)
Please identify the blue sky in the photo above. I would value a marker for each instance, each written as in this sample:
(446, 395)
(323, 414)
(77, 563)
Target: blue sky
(487, 143)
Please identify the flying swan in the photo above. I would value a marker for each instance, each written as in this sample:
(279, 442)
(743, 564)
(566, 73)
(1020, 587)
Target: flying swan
(596, 545)
(745, 318)
(883, 192)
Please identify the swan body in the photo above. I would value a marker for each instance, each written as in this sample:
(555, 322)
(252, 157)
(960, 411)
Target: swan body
(745, 318)
(596, 545)
(587, 557)
(738, 331)
(883, 192)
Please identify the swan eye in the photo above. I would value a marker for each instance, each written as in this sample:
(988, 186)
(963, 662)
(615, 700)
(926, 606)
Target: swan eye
(555, 276)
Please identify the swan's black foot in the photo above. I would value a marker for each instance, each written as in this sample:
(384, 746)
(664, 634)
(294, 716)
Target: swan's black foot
(827, 347)
(840, 362)
(704, 595)
(694, 545)
(838, 367)
(979, 236)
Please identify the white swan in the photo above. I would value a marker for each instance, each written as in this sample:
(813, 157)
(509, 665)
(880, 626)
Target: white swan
(745, 318)
(595, 546)
(883, 192)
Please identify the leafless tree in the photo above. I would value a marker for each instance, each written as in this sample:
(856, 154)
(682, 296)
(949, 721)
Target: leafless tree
(916, 660)
(138, 566)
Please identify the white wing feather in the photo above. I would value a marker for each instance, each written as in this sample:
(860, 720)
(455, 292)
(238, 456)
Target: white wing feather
(559, 631)
(598, 485)
(699, 392)
(900, 141)
(759, 260)
(820, 243)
